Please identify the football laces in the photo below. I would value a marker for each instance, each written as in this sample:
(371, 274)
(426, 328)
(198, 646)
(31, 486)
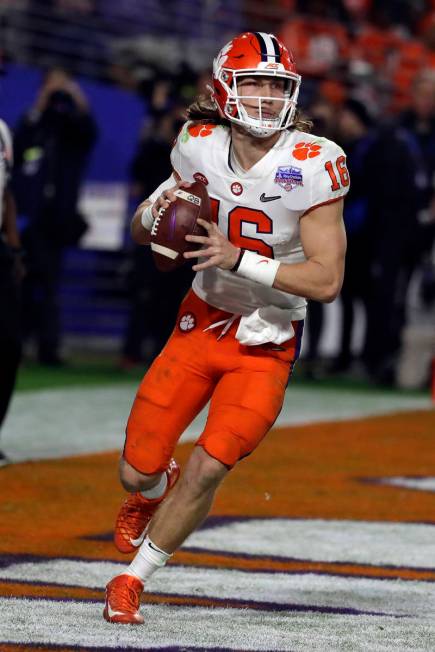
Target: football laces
(156, 222)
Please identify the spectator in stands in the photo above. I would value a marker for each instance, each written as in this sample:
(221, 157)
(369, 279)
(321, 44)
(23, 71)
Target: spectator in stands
(419, 119)
(356, 10)
(154, 296)
(267, 16)
(355, 132)
(375, 41)
(11, 274)
(318, 40)
(52, 144)
(393, 179)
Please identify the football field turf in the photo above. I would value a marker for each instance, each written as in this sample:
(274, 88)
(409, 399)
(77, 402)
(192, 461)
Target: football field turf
(322, 540)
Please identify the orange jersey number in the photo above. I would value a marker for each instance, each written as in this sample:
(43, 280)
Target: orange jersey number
(236, 217)
(340, 164)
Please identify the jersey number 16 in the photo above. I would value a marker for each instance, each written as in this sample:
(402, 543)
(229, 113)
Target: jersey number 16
(343, 174)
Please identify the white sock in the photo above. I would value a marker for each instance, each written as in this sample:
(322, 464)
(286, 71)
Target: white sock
(149, 559)
(158, 490)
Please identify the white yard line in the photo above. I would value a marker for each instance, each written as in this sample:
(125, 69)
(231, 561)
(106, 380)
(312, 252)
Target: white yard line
(382, 596)
(61, 422)
(77, 623)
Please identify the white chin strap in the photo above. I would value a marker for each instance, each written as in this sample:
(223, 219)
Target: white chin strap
(258, 132)
(256, 127)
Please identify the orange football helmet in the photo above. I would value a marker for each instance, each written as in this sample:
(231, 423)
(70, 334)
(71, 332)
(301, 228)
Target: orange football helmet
(248, 55)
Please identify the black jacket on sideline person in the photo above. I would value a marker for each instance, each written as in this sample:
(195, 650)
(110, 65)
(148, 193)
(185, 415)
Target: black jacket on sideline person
(394, 181)
(52, 146)
(51, 151)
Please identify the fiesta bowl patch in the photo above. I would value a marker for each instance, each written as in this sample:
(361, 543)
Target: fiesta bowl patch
(288, 177)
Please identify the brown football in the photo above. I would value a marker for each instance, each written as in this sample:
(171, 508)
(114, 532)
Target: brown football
(168, 234)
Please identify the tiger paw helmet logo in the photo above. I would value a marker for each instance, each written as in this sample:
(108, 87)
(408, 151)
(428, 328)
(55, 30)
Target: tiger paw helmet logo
(302, 151)
(187, 322)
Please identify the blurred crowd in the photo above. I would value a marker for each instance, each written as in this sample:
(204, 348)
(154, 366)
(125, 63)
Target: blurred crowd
(368, 83)
(377, 46)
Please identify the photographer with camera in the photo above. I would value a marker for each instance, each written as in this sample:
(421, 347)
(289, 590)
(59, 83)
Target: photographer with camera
(52, 144)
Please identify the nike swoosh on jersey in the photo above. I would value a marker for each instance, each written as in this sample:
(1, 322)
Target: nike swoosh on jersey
(271, 198)
(138, 541)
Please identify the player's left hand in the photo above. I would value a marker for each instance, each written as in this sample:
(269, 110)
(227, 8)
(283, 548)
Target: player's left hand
(217, 248)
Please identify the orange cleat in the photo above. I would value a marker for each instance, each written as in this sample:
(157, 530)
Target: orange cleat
(137, 511)
(123, 600)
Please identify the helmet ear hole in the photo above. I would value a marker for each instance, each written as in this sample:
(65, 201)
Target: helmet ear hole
(231, 109)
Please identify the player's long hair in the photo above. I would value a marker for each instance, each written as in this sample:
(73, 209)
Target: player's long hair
(203, 108)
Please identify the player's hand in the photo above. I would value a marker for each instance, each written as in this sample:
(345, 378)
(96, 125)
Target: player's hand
(167, 197)
(217, 248)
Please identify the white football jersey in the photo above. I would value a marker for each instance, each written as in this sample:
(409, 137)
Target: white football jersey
(259, 209)
(6, 160)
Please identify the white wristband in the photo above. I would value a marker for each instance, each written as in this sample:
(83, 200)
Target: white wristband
(258, 268)
(147, 218)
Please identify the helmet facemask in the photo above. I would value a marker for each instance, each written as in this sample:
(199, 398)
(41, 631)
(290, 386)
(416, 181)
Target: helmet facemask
(263, 125)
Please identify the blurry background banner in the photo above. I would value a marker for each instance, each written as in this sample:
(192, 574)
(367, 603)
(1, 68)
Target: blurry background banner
(368, 82)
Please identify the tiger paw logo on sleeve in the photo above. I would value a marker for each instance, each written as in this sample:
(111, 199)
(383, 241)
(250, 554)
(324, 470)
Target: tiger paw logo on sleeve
(303, 150)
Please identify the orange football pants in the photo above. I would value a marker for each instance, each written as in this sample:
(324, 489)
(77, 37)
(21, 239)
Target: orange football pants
(245, 386)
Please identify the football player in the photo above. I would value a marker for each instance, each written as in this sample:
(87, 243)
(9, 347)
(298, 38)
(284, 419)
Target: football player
(277, 238)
